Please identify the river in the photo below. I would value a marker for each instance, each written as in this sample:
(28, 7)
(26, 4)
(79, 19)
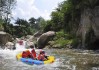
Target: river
(65, 59)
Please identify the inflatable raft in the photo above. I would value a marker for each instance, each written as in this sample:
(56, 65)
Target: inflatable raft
(37, 62)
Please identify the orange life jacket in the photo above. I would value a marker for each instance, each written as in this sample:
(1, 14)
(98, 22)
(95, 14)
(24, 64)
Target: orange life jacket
(33, 54)
(41, 57)
(26, 54)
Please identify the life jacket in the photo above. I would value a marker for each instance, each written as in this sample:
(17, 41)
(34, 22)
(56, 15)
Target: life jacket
(41, 57)
(26, 54)
(33, 54)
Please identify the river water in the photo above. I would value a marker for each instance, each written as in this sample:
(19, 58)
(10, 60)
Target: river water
(65, 59)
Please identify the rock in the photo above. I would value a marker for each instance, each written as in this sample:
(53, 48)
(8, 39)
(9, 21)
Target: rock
(37, 34)
(30, 44)
(4, 38)
(89, 27)
(56, 46)
(9, 45)
(44, 38)
(28, 36)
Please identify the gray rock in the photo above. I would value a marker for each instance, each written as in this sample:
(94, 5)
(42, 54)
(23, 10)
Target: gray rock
(89, 20)
(44, 38)
(37, 34)
(9, 45)
(4, 38)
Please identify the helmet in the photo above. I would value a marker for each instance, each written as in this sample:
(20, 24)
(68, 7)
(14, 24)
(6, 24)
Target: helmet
(42, 52)
(28, 52)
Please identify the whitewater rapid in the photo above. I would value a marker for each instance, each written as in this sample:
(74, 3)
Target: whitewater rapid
(9, 61)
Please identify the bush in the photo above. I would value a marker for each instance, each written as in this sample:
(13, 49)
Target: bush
(63, 39)
(61, 34)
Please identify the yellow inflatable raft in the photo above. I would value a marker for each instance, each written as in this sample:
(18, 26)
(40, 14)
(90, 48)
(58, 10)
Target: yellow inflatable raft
(51, 59)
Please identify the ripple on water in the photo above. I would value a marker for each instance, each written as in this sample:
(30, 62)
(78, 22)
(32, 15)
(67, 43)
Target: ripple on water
(65, 60)
(9, 62)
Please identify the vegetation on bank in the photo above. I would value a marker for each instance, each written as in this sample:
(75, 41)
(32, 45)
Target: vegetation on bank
(65, 20)
(63, 40)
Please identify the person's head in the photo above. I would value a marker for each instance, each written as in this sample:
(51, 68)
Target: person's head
(28, 52)
(31, 46)
(42, 52)
(24, 51)
(32, 50)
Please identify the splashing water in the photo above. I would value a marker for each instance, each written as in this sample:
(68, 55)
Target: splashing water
(9, 61)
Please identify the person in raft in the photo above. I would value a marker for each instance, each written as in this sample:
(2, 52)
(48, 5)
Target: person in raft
(20, 42)
(41, 56)
(26, 54)
(33, 54)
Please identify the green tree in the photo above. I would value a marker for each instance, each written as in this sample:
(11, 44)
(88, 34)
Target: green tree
(48, 26)
(1, 25)
(33, 24)
(41, 22)
(22, 22)
(22, 27)
(6, 7)
(57, 20)
(67, 15)
(32, 21)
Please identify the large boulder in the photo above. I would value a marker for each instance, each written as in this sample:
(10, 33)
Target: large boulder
(44, 38)
(4, 38)
(9, 45)
(30, 44)
(37, 34)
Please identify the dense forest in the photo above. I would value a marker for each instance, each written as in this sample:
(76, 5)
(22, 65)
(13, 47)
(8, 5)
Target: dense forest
(65, 20)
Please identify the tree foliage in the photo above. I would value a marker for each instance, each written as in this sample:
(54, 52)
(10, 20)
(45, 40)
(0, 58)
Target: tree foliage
(5, 9)
(67, 15)
(24, 27)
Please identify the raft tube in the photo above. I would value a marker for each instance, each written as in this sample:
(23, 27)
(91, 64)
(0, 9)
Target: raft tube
(30, 61)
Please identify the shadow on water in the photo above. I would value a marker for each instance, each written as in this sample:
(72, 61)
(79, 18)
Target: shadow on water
(94, 45)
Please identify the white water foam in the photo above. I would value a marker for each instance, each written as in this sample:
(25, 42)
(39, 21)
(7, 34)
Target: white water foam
(10, 55)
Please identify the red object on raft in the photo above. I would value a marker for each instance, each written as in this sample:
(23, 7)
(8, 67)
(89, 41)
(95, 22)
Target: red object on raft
(21, 42)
